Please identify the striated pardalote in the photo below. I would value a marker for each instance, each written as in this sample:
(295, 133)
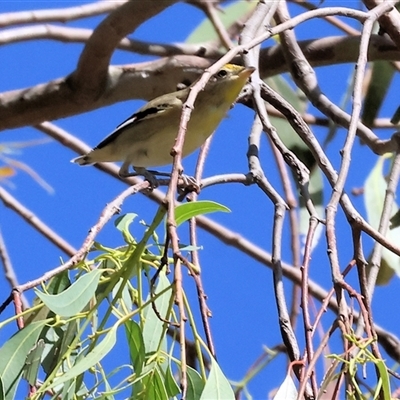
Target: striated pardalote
(145, 139)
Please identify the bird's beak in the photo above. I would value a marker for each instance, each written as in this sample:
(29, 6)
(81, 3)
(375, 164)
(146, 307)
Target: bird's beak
(246, 72)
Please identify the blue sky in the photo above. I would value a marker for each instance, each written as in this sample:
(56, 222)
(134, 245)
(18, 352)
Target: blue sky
(240, 291)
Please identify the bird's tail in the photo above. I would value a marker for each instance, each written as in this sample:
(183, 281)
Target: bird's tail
(82, 160)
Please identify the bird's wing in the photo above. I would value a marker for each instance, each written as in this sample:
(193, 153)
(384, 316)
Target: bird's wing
(143, 114)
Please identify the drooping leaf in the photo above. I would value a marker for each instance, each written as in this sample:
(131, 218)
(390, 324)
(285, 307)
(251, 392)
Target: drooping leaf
(231, 14)
(374, 196)
(124, 302)
(153, 328)
(217, 386)
(195, 384)
(136, 345)
(93, 357)
(384, 380)
(381, 77)
(295, 144)
(2, 395)
(122, 223)
(32, 363)
(13, 355)
(72, 300)
(155, 388)
(395, 220)
(170, 383)
(57, 342)
(185, 211)
(287, 391)
(315, 189)
(285, 131)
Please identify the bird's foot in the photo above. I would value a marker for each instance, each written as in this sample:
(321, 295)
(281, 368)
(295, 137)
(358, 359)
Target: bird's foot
(149, 176)
(188, 184)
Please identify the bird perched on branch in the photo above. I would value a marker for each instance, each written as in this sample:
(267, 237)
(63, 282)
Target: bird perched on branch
(145, 139)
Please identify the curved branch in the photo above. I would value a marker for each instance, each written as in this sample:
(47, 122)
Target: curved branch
(61, 98)
(31, 218)
(61, 15)
(390, 342)
(328, 51)
(92, 70)
(68, 34)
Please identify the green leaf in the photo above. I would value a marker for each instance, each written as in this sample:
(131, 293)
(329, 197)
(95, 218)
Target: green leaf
(96, 355)
(170, 383)
(124, 302)
(2, 395)
(382, 75)
(395, 220)
(122, 223)
(384, 379)
(69, 335)
(195, 384)
(315, 189)
(217, 386)
(289, 137)
(294, 143)
(13, 355)
(396, 117)
(136, 345)
(57, 341)
(155, 388)
(343, 104)
(69, 389)
(32, 362)
(58, 283)
(374, 195)
(72, 300)
(229, 15)
(184, 212)
(386, 272)
(287, 391)
(153, 330)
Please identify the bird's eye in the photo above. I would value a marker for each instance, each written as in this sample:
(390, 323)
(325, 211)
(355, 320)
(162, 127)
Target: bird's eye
(222, 73)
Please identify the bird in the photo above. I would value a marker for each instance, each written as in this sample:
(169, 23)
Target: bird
(145, 139)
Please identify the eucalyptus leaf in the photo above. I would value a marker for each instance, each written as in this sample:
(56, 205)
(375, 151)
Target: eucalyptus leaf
(136, 345)
(93, 357)
(374, 196)
(381, 78)
(153, 330)
(229, 15)
(170, 383)
(287, 391)
(13, 355)
(185, 211)
(195, 384)
(217, 386)
(122, 223)
(32, 362)
(72, 300)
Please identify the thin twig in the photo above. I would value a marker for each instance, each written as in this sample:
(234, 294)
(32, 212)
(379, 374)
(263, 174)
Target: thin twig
(32, 219)
(111, 208)
(9, 272)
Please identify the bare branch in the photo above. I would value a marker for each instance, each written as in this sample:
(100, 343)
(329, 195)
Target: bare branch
(61, 15)
(60, 98)
(31, 218)
(92, 70)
